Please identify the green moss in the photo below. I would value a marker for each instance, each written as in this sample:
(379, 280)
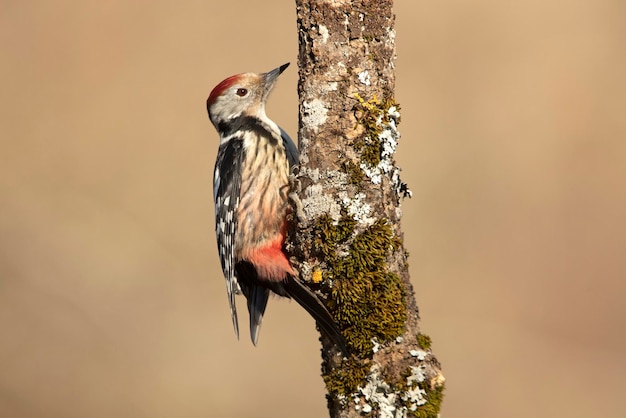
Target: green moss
(328, 235)
(347, 378)
(424, 341)
(369, 149)
(367, 300)
(355, 174)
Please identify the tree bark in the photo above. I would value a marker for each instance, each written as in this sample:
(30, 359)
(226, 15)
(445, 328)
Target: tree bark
(349, 245)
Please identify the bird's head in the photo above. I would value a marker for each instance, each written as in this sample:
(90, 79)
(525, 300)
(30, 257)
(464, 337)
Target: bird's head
(241, 94)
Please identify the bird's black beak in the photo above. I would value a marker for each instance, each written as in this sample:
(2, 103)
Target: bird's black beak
(271, 76)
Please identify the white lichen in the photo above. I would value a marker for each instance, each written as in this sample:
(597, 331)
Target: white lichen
(373, 173)
(377, 393)
(364, 77)
(376, 346)
(323, 31)
(393, 112)
(390, 39)
(315, 114)
(390, 43)
(415, 395)
(357, 207)
(388, 138)
(420, 354)
(317, 203)
(380, 395)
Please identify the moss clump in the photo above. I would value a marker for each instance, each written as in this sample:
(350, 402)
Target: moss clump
(347, 378)
(424, 341)
(373, 115)
(355, 174)
(328, 235)
(367, 300)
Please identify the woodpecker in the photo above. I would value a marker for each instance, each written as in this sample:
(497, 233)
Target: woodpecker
(252, 184)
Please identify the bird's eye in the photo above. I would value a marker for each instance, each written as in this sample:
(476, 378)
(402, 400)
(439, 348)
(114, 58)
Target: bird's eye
(242, 92)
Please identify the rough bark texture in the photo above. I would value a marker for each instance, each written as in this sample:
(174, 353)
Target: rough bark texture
(349, 245)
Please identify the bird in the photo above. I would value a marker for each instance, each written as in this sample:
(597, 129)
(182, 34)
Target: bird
(252, 184)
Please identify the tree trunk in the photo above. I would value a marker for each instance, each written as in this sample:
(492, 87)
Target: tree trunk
(349, 245)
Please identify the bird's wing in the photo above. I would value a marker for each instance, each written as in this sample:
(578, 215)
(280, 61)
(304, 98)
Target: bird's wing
(290, 148)
(226, 185)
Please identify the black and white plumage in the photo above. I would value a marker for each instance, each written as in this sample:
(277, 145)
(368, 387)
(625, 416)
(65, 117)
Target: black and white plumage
(251, 187)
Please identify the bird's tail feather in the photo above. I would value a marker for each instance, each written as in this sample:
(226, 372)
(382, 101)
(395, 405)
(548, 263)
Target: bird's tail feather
(307, 299)
(257, 302)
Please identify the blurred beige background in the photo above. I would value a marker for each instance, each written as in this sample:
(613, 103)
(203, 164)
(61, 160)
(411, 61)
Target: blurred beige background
(112, 303)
